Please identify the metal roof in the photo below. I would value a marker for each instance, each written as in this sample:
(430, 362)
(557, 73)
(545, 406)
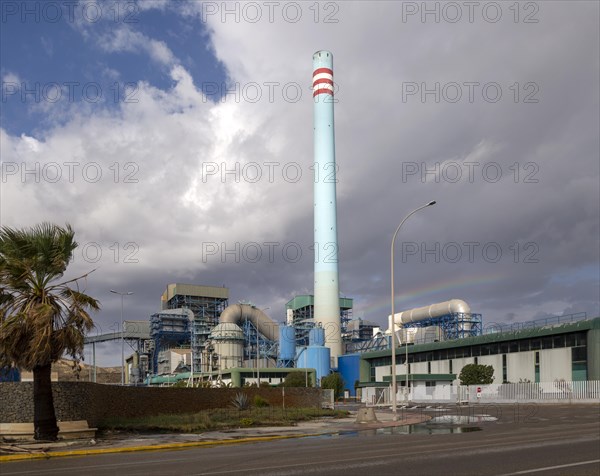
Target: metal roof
(305, 300)
(195, 290)
(490, 338)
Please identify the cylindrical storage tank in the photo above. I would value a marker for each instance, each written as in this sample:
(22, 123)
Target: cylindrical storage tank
(287, 343)
(228, 341)
(348, 367)
(316, 336)
(315, 357)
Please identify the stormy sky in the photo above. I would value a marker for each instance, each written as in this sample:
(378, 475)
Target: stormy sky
(176, 138)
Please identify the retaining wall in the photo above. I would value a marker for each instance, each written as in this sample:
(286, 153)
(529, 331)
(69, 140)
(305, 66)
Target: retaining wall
(94, 402)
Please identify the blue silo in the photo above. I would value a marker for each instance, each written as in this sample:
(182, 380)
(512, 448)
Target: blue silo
(316, 336)
(348, 367)
(315, 357)
(287, 346)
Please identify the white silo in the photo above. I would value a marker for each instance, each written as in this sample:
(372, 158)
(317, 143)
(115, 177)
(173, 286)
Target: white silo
(228, 342)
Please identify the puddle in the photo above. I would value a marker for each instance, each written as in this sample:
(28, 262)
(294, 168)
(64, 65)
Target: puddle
(418, 429)
(460, 419)
(424, 429)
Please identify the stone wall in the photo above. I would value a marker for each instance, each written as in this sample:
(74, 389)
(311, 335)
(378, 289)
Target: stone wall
(95, 402)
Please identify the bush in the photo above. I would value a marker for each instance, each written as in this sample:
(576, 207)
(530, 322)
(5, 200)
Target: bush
(476, 374)
(260, 402)
(295, 379)
(335, 382)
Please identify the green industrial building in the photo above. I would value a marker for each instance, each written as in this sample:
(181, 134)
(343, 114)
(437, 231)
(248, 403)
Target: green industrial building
(567, 352)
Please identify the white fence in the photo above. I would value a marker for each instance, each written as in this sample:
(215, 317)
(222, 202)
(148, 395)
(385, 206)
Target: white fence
(559, 391)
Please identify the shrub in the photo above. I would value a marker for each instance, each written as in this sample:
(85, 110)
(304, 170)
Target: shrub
(335, 382)
(260, 402)
(246, 421)
(295, 379)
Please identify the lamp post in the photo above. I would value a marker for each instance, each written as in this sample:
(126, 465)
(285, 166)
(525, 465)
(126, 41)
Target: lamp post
(393, 324)
(129, 293)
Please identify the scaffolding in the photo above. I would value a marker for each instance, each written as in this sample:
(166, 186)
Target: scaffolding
(457, 325)
(357, 331)
(169, 328)
(257, 346)
(301, 310)
(206, 303)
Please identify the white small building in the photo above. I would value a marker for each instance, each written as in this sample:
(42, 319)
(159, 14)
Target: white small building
(170, 359)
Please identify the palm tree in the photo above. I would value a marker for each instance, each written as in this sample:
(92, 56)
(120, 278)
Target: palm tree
(41, 318)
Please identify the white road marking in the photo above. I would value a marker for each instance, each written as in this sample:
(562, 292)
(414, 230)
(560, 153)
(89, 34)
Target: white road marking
(548, 468)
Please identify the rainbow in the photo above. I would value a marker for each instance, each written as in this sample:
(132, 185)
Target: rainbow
(382, 307)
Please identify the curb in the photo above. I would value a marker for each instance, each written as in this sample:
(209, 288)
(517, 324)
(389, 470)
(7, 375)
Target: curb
(131, 449)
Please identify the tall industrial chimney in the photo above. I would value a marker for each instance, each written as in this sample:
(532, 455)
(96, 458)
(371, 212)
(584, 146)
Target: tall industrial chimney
(327, 292)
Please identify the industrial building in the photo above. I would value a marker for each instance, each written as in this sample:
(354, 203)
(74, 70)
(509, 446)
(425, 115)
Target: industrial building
(564, 349)
(198, 336)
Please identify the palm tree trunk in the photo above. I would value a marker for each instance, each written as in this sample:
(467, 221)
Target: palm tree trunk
(44, 418)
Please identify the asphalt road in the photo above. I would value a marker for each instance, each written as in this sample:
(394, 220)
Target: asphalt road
(530, 440)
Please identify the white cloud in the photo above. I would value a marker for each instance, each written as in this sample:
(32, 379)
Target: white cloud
(125, 39)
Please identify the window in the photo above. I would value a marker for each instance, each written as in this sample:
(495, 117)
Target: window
(536, 344)
(476, 350)
(579, 354)
(428, 367)
(450, 367)
(524, 345)
(503, 347)
(504, 370)
(558, 341)
(430, 384)
(547, 343)
(513, 346)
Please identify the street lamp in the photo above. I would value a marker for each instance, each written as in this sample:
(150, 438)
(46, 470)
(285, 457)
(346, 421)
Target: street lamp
(122, 334)
(393, 324)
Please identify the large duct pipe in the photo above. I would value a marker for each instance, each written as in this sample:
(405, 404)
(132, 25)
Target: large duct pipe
(327, 291)
(238, 313)
(431, 311)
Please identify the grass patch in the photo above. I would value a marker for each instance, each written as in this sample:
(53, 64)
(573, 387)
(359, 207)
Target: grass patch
(218, 419)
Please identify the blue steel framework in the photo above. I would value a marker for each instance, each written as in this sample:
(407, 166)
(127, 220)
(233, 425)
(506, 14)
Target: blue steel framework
(303, 317)
(454, 326)
(168, 330)
(206, 316)
(257, 346)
